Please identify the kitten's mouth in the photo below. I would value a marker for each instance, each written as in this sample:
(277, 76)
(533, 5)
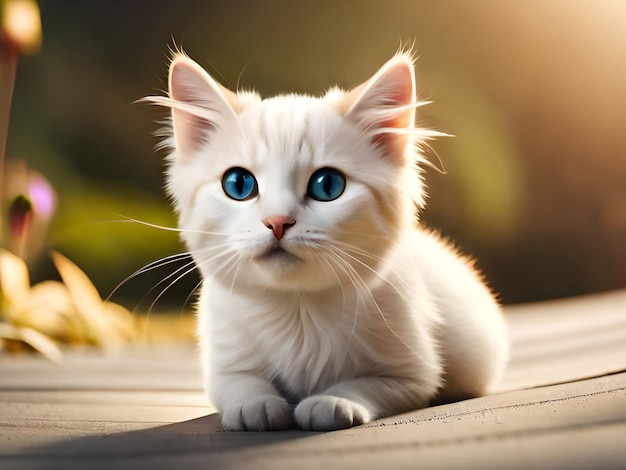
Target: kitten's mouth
(278, 253)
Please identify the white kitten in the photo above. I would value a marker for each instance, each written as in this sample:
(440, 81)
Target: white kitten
(322, 305)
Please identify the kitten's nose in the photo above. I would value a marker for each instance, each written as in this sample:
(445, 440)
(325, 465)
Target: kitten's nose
(278, 224)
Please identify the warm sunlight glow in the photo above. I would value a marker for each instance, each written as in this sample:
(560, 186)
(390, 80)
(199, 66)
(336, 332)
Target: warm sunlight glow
(21, 24)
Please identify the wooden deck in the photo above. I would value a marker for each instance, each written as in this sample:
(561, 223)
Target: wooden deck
(561, 405)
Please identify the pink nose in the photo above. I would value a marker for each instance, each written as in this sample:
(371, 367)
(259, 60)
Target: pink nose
(278, 224)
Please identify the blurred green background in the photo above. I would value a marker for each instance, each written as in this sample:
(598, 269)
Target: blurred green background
(533, 91)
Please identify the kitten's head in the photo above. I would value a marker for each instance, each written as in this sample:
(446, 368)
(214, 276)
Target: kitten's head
(293, 192)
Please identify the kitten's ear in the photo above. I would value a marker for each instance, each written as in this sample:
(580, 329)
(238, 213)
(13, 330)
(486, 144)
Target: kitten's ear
(199, 105)
(384, 106)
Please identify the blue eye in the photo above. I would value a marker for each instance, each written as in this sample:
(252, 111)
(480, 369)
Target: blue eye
(239, 184)
(326, 184)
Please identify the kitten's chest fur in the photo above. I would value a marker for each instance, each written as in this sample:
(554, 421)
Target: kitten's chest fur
(305, 343)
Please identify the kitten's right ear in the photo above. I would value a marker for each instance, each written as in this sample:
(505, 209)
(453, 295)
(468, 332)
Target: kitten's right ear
(199, 106)
(207, 105)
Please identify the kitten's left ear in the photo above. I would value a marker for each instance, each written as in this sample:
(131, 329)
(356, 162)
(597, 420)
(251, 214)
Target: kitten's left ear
(384, 107)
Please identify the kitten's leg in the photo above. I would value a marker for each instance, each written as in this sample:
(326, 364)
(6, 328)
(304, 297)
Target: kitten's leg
(476, 351)
(250, 403)
(360, 401)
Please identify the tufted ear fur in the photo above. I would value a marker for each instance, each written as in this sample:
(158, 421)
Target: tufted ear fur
(200, 106)
(207, 105)
(384, 107)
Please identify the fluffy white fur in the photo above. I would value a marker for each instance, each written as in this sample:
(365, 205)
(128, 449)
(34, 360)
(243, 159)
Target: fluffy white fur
(354, 314)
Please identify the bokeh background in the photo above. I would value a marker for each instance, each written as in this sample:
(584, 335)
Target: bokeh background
(534, 92)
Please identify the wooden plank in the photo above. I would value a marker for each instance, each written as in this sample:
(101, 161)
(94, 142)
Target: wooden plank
(584, 422)
(143, 407)
(139, 367)
(564, 340)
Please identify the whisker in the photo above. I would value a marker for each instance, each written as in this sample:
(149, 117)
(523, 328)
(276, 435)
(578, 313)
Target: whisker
(371, 269)
(188, 271)
(149, 267)
(323, 258)
(232, 285)
(159, 264)
(185, 266)
(350, 274)
(209, 254)
(363, 287)
(224, 262)
(188, 298)
(234, 256)
(358, 250)
(169, 229)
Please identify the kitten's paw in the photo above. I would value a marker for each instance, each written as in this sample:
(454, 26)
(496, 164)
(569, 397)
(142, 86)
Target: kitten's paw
(328, 413)
(264, 413)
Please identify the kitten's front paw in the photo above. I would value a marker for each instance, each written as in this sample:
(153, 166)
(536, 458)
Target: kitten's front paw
(264, 413)
(328, 413)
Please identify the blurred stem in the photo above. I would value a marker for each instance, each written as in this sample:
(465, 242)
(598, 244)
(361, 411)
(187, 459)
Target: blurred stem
(8, 69)
(20, 219)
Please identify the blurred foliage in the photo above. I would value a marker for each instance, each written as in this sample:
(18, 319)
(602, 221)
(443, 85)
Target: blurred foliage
(52, 312)
(94, 228)
(535, 182)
